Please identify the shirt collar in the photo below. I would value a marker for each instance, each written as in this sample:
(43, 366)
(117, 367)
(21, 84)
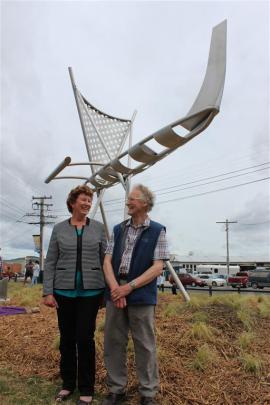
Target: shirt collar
(144, 225)
(87, 221)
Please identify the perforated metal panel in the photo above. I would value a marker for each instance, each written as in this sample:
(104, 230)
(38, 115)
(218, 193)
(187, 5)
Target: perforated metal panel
(112, 130)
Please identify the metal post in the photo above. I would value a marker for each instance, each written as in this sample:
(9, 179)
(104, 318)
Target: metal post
(227, 248)
(41, 227)
(104, 220)
(227, 241)
(40, 206)
(177, 281)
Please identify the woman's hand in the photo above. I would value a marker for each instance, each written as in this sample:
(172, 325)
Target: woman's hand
(50, 301)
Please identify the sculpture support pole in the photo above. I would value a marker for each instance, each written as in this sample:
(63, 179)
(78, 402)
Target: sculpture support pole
(104, 220)
(129, 165)
(177, 281)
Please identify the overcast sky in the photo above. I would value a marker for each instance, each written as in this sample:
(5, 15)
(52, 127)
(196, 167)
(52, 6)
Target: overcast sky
(148, 56)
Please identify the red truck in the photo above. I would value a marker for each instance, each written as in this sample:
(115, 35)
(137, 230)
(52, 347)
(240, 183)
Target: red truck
(239, 280)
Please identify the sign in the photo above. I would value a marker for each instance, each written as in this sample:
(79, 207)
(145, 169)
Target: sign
(37, 243)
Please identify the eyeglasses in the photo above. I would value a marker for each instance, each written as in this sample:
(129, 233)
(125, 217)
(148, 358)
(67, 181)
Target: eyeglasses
(134, 198)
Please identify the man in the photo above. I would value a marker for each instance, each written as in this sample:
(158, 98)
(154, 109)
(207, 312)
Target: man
(28, 271)
(161, 280)
(134, 259)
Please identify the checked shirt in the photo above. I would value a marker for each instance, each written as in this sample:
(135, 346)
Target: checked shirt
(161, 251)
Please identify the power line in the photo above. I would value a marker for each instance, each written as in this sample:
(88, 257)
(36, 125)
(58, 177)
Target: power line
(19, 178)
(204, 193)
(18, 235)
(10, 205)
(205, 164)
(194, 195)
(215, 191)
(257, 223)
(211, 182)
(219, 175)
(196, 181)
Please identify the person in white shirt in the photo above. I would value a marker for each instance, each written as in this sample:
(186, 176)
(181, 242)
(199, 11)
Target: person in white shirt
(36, 273)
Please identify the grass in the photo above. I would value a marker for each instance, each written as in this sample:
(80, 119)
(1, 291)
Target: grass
(204, 358)
(246, 316)
(252, 364)
(201, 331)
(174, 308)
(130, 345)
(264, 308)
(25, 391)
(245, 340)
(25, 296)
(15, 390)
(200, 317)
(101, 325)
(56, 343)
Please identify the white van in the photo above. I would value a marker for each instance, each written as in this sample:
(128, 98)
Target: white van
(217, 269)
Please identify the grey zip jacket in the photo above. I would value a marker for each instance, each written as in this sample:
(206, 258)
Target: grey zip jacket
(62, 257)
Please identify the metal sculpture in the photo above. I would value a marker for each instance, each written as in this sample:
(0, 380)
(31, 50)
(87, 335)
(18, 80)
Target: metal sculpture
(105, 135)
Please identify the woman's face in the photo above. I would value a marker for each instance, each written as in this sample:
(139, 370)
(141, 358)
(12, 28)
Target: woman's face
(82, 205)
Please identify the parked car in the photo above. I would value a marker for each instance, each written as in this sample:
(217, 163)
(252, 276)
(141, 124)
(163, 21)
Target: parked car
(259, 279)
(239, 280)
(212, 280)
(188, 279)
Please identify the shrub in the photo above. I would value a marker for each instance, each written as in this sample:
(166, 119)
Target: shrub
(245, 316)
(202, 331)
(101, 325)
(56, 342)
(174, 308)
(204, 358)
(200, 317)
(252, 364)
(245, 340)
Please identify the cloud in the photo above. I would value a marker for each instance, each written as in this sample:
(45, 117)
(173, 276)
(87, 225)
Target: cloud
(125, 57)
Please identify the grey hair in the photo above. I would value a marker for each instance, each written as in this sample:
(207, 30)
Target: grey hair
(147, 195)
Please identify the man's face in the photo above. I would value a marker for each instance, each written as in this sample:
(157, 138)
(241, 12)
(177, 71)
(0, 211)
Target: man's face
(136, 205)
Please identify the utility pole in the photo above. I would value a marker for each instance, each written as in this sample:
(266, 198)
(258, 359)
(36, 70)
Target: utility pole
(41, 206)
(227, 240)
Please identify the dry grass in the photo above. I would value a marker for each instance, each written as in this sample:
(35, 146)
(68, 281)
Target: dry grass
(205, 349)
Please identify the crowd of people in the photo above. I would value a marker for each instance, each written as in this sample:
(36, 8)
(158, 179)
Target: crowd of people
(81, 270)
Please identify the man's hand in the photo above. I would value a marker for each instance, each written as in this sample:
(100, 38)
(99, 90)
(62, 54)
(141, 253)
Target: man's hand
(50, 301)
(120, 292)
(121, 303)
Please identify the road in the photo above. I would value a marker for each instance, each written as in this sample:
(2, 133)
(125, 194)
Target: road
(223, 290)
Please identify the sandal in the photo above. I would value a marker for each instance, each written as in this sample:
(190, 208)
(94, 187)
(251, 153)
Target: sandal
(62, 397)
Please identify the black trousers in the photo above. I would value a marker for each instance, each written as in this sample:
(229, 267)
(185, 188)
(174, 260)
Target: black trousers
(77, 323)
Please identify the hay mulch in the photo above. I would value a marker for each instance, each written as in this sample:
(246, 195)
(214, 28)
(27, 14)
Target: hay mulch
(29, 346)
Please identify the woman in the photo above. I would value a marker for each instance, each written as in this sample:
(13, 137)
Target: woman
(74, 285)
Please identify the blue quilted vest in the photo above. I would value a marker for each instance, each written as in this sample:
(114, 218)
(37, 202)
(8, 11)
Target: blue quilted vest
(142, 259)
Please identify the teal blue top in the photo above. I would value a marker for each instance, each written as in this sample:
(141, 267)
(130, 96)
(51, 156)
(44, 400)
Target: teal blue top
(78, 292)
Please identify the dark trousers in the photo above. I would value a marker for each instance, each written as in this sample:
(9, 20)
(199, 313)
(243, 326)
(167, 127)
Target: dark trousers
(77, 323)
